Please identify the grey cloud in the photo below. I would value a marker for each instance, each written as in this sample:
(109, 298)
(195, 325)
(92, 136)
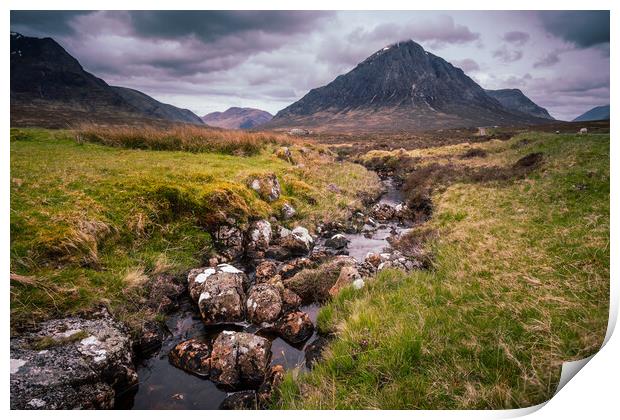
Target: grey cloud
(45, 22)
(516, 37)
(548, 60)
(506, 55)
(582, 28)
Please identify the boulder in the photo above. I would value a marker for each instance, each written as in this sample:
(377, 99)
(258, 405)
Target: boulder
(198, 276)
(288, 211)
(298, 242)
(71, 363)
(290, 268)
(338, 241)
(239, 360)
(383, 212)
(295, 327)
(222, 299)
(259, 236)
(267, 187)
(265, 270)
(290, 300)
(229, 240)
(192, 356)
(243, 400)
(264, 303)
(348, 276)
(271, 383)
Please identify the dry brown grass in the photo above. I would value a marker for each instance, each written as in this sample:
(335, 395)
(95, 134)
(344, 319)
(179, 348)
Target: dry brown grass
(187, 138)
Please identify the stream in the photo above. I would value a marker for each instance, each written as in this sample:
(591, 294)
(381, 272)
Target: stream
(163, 386)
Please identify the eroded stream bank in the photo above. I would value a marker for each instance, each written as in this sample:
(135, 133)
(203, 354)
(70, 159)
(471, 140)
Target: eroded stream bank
(164, 386)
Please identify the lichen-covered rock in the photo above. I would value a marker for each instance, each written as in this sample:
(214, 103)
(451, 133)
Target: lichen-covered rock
(295, 327)
(290, 300)
(267, 187)
(272, 382)
(265, 270)
(229, 240)
(264, 303)
(239, 360)
(242, 400)
(71, 363)
(222, 299)
(288, 211)
(259, 236)
(290, 268)
(298, 242)
(198, 276)
(338, 241)
(192, 356)
(383, 212)
(348, 276)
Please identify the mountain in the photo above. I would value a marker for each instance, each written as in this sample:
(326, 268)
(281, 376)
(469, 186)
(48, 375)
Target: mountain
(155, 109)
(595, 114)
(400, 87)
(516, 101)
(234, 117)
(50, 88)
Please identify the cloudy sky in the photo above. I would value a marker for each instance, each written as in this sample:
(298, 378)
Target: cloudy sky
(210, 60)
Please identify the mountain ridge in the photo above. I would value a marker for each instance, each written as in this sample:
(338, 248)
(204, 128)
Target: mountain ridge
(49, 87)
(400, 87)
(597, 113)
(515, 100)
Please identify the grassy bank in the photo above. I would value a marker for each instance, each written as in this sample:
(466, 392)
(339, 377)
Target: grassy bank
(91, 223)
(519, 284)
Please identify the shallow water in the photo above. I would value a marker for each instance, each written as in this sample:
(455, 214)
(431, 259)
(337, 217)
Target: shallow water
(163, 386)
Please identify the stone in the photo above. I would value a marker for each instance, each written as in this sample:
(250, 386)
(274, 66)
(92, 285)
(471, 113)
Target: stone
(288, 211)
(314, 351)
(373, 259)
(71, 363)
(229, 240)
(299, 242)
(292, 267)
(348, 275)
(279, 253)
(272, 382)
(338, 241)
(290, 300)
(222, 300)
(382, 212)
(150, 339)
(242, 400)
(295, 327)
(192, 356)
(259, 236)
(267, 187)
(265, 270)
(164, 292)
(264, 303)
(197, 277)
(239, 360)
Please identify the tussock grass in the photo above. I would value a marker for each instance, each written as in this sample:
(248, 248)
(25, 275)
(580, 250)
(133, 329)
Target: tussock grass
(519, 284)
(188, 138)
(89, 220)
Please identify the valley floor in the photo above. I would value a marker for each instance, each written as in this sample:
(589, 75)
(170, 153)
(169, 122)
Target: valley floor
(519, 284)
(518, 280)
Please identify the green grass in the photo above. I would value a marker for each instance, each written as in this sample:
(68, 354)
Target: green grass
(520, 284)
(89, 223)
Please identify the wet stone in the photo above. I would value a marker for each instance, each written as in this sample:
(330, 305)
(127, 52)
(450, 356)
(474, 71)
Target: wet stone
(239, 360)
(222, 299)
(295, 327)
(314, 351)
(192, 356)
(243, 400)
(264, 303)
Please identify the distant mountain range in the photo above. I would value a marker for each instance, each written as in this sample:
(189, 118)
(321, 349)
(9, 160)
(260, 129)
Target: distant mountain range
(237, 118)
(50, 88)
(402, 87)
(595, 114)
